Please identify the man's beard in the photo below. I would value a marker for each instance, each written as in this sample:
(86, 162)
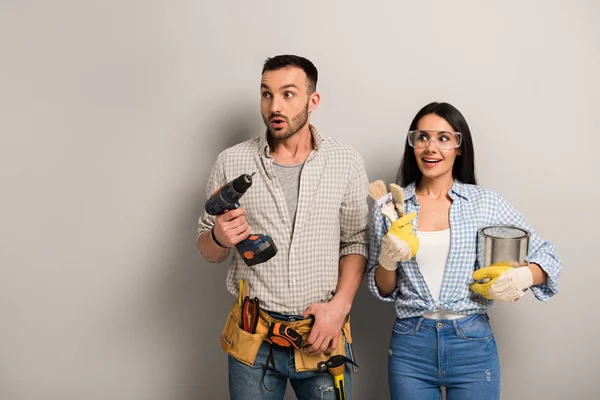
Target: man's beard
(293, 126)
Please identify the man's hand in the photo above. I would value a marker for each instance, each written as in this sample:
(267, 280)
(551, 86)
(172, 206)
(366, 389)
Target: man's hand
(399, 243)
(506, 283)
(231, 228)
(329, 319)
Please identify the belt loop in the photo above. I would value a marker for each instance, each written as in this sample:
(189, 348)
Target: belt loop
(456, 328)
(418, 325)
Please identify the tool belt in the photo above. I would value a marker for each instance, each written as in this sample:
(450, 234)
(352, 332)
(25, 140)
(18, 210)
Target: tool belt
(243, 346)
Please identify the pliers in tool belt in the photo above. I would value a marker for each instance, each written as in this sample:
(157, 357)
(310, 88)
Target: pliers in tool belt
(250, 312)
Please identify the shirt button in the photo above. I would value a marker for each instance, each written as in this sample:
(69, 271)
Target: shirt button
(293, 281)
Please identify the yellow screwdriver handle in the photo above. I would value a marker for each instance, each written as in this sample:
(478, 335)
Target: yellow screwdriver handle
(340, 389)
(240, 294)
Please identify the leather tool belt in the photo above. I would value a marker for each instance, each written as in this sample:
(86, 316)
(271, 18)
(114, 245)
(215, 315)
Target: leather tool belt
(243, 346)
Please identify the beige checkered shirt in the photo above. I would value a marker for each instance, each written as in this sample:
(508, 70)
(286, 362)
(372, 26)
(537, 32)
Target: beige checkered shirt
(331, 221)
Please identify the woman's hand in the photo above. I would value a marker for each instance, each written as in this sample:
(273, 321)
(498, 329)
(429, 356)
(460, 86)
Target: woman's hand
(505, 283)
(399, 243)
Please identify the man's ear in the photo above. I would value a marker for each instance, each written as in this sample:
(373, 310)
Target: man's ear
(313, 101)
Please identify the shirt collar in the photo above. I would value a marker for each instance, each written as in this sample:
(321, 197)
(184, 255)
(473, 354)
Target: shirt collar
(458, 188)
(263, 143)
(409, 192)
(461, 189)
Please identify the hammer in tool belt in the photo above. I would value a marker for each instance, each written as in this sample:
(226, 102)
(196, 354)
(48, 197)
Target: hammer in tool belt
(335, 365)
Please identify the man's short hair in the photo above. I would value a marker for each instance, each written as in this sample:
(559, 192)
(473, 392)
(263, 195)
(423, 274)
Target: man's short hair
(288, 60)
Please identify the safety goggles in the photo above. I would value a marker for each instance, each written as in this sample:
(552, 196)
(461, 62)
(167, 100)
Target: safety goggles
(443, 140)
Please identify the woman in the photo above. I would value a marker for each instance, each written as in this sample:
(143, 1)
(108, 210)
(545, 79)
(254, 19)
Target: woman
(442, 335)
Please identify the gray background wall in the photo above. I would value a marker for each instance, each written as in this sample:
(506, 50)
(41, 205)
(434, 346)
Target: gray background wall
(112, 113)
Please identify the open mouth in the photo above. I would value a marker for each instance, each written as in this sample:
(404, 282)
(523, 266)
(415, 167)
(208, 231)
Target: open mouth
(431, 161)
(277, 123)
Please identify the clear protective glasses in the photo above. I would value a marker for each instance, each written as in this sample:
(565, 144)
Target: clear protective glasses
(443, 140)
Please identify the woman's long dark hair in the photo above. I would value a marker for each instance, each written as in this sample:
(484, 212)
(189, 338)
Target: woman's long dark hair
(464, 164)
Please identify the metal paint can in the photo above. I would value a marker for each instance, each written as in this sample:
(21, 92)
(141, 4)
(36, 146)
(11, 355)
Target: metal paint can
(504, 243)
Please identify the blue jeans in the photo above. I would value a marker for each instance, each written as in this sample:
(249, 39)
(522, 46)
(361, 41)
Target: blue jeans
(460, 355)
(247, 383)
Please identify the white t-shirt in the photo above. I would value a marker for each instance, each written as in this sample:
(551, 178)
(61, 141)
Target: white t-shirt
(431, 258)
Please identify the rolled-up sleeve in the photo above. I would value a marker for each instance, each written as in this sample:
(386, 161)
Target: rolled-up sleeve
(215, 181)
(354, 213)
(541, 252)
(378, 229)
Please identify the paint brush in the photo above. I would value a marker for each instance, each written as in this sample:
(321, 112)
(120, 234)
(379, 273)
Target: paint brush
(398, 196)
(383, 199)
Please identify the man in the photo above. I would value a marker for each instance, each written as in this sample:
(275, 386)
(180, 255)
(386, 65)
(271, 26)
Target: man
(309, 194)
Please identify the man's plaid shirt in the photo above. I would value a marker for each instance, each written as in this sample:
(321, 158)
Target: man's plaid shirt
(331, 221)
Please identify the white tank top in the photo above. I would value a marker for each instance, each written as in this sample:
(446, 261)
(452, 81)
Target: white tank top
(431, 258)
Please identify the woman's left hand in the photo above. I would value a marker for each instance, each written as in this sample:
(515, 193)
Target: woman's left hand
(506, 283)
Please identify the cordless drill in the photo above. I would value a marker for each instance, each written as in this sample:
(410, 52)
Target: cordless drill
(256, 248)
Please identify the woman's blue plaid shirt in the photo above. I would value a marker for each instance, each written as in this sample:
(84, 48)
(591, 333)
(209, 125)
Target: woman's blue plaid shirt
(473, 207)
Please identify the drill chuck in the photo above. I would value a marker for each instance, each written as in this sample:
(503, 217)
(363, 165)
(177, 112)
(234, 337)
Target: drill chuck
(242, 183)
(226, 197)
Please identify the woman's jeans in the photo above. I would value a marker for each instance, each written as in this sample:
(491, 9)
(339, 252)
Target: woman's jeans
(459, 354)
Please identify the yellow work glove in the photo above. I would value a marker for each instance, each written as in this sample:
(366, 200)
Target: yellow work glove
(505, 282)
(399, 243)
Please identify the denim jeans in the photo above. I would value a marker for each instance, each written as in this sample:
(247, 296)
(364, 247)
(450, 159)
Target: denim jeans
(246, 382)
(460, 355)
